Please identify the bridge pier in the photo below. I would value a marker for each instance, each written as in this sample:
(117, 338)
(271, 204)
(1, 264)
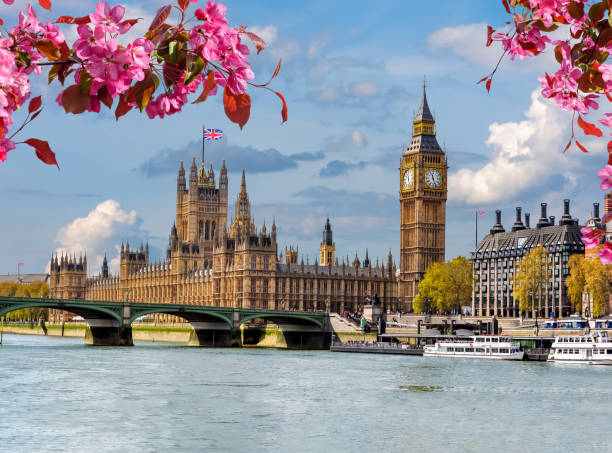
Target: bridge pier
(214, 334)
(108, 332)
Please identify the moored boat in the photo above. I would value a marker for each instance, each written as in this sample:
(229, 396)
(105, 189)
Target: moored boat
(493, 347)
(590, 349)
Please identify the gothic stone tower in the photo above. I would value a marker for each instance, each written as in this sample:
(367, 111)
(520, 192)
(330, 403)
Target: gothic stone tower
(328, 247)
(201, 209)
(423, 190)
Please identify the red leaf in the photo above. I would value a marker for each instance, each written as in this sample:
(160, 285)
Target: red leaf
(568, 145)
(610, 152)
(183, 4)
(237, 106)
(45, 4)
(1, 21)
(505, 3)
(124, 104)
(104, 97)
(490, 31)
(65, 20)
(34, 104)
(276, 71)
(608, 96)
(284, 109)
(35, 114)
(160, 17)
(588, 128)
(1, 130)
(82, 20)
(260, 44)
(548, 79)
(43, 152)
(74, 101)
(482, 80)
(208, 87)
(582, 148)
(48, 49)
(488, 85)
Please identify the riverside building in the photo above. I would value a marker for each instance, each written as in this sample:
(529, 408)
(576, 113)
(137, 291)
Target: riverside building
(496, 257)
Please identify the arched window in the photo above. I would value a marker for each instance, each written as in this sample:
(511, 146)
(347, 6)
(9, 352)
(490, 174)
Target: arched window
(205, 264)
(266, 262)
(200, 229)
(212, 230)
(253, 263)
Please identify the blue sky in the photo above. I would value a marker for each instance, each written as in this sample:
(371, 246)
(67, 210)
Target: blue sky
(352, 76)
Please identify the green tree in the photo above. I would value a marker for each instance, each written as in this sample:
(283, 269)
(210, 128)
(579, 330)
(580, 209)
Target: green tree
(445, 287)
(576, 280)
(34, 289)
(597, 285)
(531, 278)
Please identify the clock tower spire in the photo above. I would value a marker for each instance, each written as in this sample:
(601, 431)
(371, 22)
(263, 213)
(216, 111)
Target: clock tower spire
(423, 170)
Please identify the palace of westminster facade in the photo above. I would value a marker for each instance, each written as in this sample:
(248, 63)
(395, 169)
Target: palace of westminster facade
(209, 263)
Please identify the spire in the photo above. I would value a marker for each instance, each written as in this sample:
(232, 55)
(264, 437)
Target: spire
(327, 234)
(243, 183)
(424, 129)
(366, 262)
(424, 113)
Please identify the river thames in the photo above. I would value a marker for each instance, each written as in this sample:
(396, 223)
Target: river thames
(59, 395)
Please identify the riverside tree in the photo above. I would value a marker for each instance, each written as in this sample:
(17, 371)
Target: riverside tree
(590, 277)
(445, 287)
(529, 282)
(581, 44)
(34, 289)
(180, 55)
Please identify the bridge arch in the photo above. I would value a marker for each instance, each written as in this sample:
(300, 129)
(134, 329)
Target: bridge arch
(284, 317)
(85, 310)
(191, 316)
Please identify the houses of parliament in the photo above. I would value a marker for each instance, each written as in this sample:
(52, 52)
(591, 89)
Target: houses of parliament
(210, 263)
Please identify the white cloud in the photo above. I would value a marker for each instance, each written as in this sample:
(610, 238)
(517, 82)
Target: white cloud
(526, 155)
(358, 138)
(468, 42)
(268, 33)
(317, 44)
(285, 50)
(366, 89)
(100, 232)
(331, 93)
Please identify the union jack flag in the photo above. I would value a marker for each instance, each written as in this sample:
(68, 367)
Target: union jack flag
(213, 134)
(480, 213)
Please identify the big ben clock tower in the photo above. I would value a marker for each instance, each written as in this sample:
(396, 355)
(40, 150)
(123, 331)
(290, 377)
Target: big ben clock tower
(423, 204)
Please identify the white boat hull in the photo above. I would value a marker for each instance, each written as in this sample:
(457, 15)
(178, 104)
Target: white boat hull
(514, 356)
(581, 362)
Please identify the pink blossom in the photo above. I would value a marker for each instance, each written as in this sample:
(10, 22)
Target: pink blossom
(237, 79)
(607, 121)
(605, 254)
(589, 237)
(6, 145)
(8, 2)
(605, 174)
(88, 40)
(109, 19)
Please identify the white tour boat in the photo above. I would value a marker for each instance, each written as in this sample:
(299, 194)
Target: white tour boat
(495, 347)
(591, 349)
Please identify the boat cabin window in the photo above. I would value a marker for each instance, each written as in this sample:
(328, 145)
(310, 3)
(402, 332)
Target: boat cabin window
(458, 349)
(583, 340)
(450, 349)
(494, 351)
(609, 351)
(494, 340)
(480, 340)
(482, 350)
(488, 340)
(504, 350)
(469, 349)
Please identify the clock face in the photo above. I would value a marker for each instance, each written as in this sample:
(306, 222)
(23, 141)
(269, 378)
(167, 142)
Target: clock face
(408, 179)
(433, 178)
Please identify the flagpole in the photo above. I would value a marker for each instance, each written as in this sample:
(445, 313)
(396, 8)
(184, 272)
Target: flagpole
(476, 239)
(203, 141)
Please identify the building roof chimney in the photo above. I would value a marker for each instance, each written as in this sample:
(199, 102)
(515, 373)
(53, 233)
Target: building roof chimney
(498, 227)
(518, 224)
(527, 215)
(543, 221)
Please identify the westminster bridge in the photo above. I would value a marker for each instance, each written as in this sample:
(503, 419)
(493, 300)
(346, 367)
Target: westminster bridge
(110, 323)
